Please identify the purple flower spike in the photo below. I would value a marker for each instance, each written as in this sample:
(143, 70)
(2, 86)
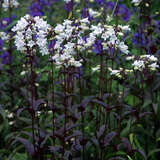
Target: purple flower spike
(36, 9)
(121, 10)
(85, 14)
(98, 48)
(1, 44)
(5, 22)
(139, 39)
(101, 2)
(69, 6)
(6, 58)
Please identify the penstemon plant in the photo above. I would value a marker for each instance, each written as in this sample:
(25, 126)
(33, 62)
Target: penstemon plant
(79, 80)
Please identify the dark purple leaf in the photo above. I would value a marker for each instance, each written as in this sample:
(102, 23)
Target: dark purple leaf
(127, 144)
(37, 103)
(144, 114)
(27, 144)
(99, 102)
(142, 153)
(108, 138)
(95, 141)
(101, 131)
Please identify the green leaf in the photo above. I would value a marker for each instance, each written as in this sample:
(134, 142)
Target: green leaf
(126, 130)
(10, 26)
(20, 156)
(153, 151)
(129, 157)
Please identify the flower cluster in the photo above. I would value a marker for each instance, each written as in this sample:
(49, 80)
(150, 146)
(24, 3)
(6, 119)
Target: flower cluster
(9, 3)
(104, 37)
(31, 32)
(120, 73)
(4, 36)
(76, 36)
(37, 7)
(145, 61)
(139, 63)
(69, 41)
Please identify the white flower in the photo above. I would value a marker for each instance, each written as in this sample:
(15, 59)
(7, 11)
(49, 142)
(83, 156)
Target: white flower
(4, 36)
(97, 30)
(109, 18)
(138, 65)
(153, 58)
(153, 66)
(128, 58)
(123, 47)
(31, 32)
(136, 2)
(23, 73)
(67, 1)
(94, 69)
(124, 28)
(22, 23)
(59, 28)
(85, 20)
(114, 72)
(93, 13)
(9, 3)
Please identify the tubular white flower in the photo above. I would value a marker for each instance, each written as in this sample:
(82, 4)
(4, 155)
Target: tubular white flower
(9, 3)
(138, 65)
(4, 36)
(68, 39)
(136, 2)
(31, 32)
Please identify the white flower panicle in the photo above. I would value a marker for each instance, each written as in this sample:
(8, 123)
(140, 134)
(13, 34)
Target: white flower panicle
(68, 40)
(31, 32)
(80, 35)
(139, 63)
(9, 3)
(108, 35)
(143, 62)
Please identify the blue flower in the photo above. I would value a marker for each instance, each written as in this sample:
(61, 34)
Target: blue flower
(36, 9)
(139, 39)
(69, 6)
(100, 1)
(6, 58)
(1, 44)
(5, 22)
(98, 48)
(121, 10)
